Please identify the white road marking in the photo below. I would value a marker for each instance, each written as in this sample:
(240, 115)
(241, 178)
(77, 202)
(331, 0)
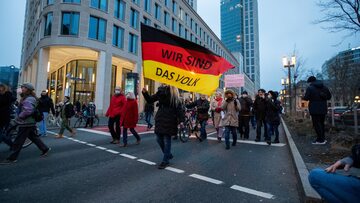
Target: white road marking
(252, 142)
(91, 145)
(207, 179)
(108, 134)
(253, 192)
(128, 156)
(174, 170)
(146, 162)
(112, 151)
(212, 133)
(82, 142)
(102, 148)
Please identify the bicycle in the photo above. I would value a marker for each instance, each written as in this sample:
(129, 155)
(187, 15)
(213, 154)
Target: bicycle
(11, 133)
(81, 120)
(54, 121)
(189, 128)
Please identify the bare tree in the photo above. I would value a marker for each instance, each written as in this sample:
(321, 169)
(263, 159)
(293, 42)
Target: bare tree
(340, 15)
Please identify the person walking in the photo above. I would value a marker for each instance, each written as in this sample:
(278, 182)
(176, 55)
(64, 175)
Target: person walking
(114, 111)
(216, 108)
(272, 117)
(6, 101)
(90, 114)
(169, 115)
(149, 110)
(45, 105)
(259, 108)
(202, 108)
(317, 94)
(129, 118)
(231, 107)
(334, 187)
(27, 124)
(67, 111)
(244, 115)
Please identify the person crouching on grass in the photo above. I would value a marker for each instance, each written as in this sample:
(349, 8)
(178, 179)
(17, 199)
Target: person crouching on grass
(129, 118)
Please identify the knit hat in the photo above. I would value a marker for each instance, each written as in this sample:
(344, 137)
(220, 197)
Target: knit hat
(244, 92)
(273, 94)
(262, 90)
(28, 86)
(311, 79)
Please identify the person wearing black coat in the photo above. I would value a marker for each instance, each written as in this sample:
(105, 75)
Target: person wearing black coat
(169, 115)
(6, 100)
(317, 94)
(244, 115)
(202, 108)
(272, 117)
(259, 108)
(45, 105)
(149, 110)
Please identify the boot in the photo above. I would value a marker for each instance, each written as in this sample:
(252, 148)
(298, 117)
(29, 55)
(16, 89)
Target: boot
(276, 140)
(58, 136)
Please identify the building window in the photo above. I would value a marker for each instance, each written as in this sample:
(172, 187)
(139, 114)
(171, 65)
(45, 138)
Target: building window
(70, 23)
(136, 1)
(157, 26)
(119, 9)
(49, 2)
(166, 19)
(191, 24)
(133, 43)
(118, 37)
(174, 7)
(134, 18)
(147, 6)
(99, 4)
(157, 11)
(97, 28)
(180, 30)
(173, 24)
(48, 24)
(147, 21)
(167, 3)
(186, 34)
(72, 1)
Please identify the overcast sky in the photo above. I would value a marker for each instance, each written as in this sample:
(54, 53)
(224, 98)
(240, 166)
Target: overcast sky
(283, 25)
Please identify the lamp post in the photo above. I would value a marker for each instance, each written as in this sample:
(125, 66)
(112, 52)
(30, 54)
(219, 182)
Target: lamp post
(288, 63)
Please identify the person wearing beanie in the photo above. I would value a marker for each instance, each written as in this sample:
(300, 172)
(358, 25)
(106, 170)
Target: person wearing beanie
(317, 94)
(244, 115)
(259, 108)
(67, 111)
(272, 117)
(216, 108)
(231, 107)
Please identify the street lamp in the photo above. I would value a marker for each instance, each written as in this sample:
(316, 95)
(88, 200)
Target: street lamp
(288, 63)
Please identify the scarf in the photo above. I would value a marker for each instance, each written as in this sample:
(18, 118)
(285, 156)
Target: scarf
(219, 101)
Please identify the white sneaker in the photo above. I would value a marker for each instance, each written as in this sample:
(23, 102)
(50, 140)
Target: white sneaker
(319, 143)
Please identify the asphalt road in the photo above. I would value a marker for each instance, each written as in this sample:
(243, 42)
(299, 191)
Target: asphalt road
(87, 168)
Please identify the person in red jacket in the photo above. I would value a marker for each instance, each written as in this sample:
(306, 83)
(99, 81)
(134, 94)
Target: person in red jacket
(114, 111)
(129, 118)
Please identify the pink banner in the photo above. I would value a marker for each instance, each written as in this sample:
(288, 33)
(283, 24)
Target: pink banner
(235, 80)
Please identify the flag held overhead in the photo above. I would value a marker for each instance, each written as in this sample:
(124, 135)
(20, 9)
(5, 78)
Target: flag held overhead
(175, 61)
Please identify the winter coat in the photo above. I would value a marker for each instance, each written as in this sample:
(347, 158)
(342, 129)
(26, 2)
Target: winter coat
(26, 110)
(317, 94)
(216, 108)
(130, 116)
(168, 116)
(6, 101)
(246, 104)
(149, 107)
(202, 109)
(46, 104)
(231, 109)
(67, 110)
(116, 107)
(273, 109)
(259, 108)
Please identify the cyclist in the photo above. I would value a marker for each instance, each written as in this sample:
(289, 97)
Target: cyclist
(6, 100)
(202, 108)
(27, 124)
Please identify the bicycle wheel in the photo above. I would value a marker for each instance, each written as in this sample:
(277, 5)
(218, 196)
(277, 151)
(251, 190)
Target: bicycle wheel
(184, 133)
(78, 123)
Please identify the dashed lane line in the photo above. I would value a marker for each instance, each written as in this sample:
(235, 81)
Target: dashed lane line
(253, 192)
(207, 179)
(146, 162)
(128, 156)
(108, 134)
(174, 170)
(101, 148)
(112, 151)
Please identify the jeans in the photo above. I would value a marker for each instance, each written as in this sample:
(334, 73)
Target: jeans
(115, 133)
(203, 134)
(253, 121)
(259, 124)
(23, 133)
(125, 135)
(271, 130)
(244, 124)
(164, 142)
(148, 119)
(229, 129)
(335, 187)
(319, 126)
(42, 124)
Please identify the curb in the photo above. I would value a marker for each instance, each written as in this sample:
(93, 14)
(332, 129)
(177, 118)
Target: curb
(310, 195)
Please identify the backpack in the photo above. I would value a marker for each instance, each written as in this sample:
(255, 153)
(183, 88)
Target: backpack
(69, 110)
(37, 114)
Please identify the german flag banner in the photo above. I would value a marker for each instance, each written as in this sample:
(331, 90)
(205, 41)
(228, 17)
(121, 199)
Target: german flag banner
(175, 61)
